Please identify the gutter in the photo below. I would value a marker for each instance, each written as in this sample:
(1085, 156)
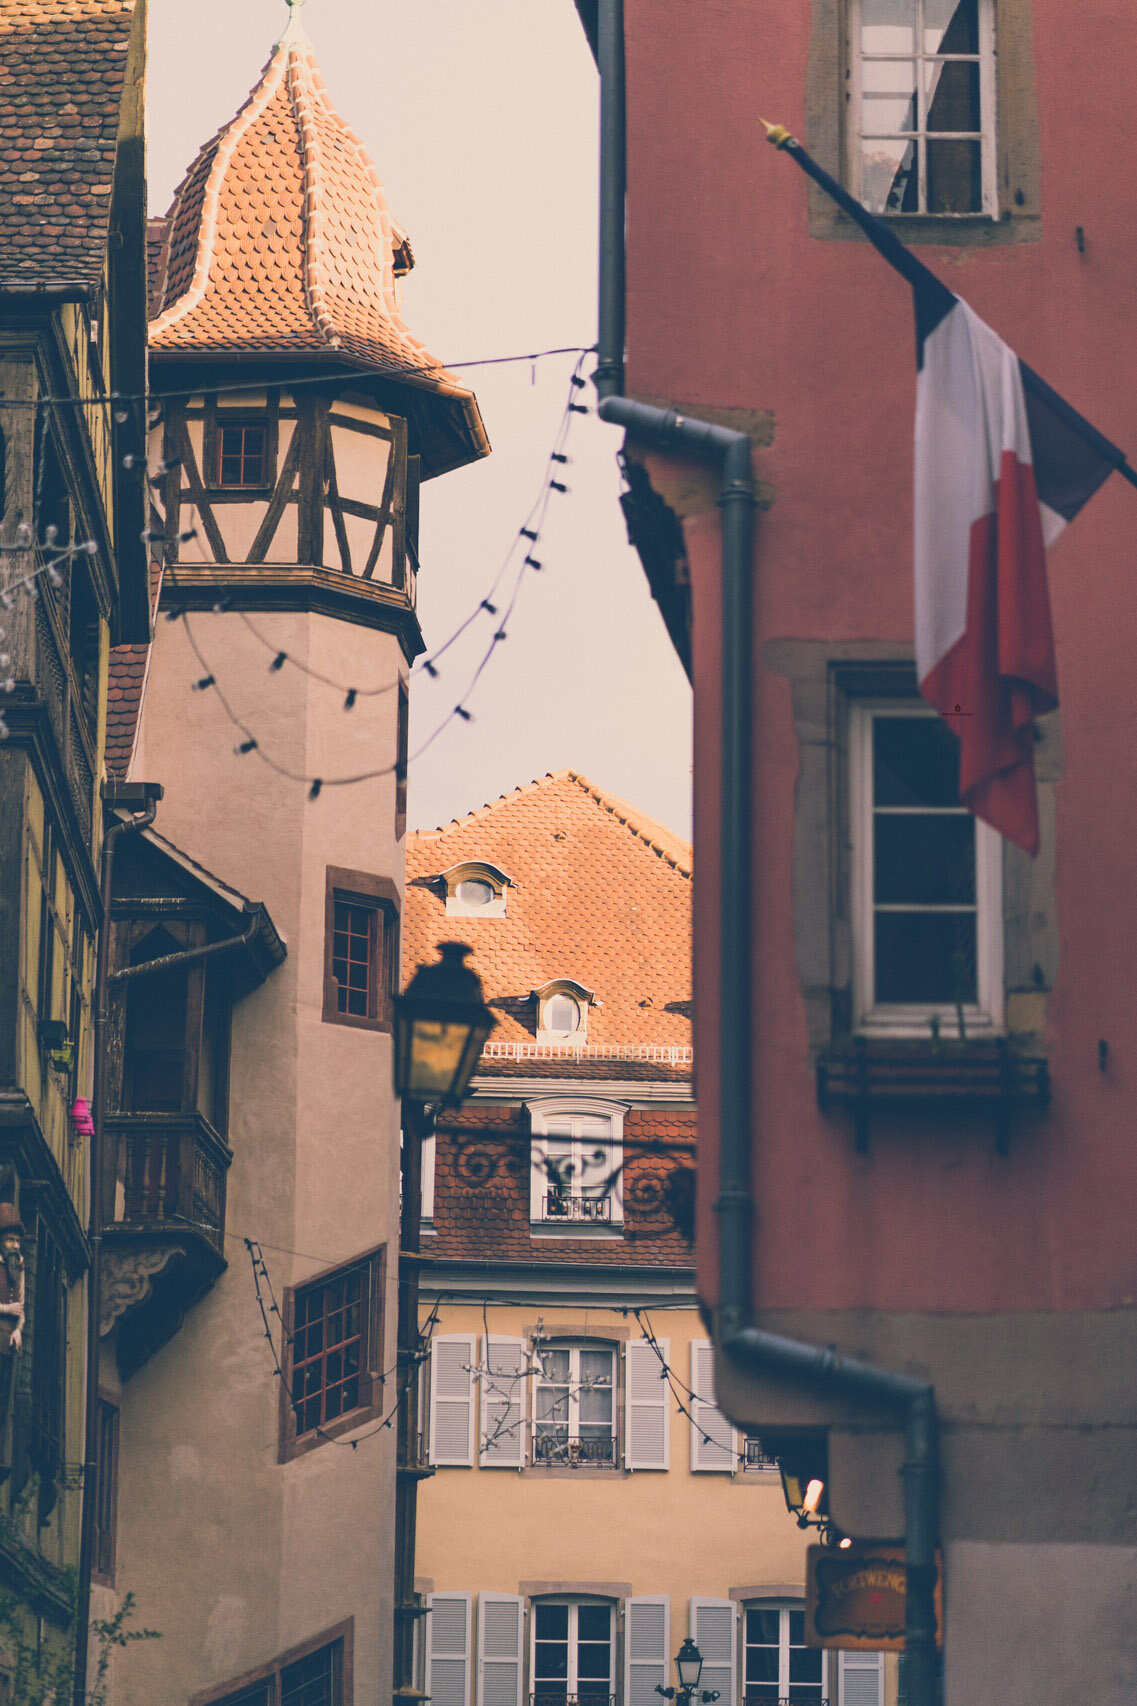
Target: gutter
(763, 1353)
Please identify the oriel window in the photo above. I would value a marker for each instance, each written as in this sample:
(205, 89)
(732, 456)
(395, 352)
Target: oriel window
(242, 454)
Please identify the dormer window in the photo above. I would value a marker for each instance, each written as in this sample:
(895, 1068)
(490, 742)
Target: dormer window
(475, 889)
(562, 1010)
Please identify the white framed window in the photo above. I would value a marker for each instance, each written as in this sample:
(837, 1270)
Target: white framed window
(927, 882)
(921, 109)
(777, 1664)
(475, 889)
(574, 1407)
(576, 1172)
(573, 1652)
(562, 1011)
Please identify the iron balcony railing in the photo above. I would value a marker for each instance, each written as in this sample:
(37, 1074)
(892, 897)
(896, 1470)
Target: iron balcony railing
(755, 1455)
(551, 1695)
(569, 1205)
(558, 1450)
(803, 1695)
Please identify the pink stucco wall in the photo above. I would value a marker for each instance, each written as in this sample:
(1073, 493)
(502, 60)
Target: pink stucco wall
(733, 305)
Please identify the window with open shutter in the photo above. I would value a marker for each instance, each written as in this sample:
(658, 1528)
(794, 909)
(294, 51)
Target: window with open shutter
(647, 1420)
(452, 1399)
(501, 1443)
(713, 1443)
(500, 1632)
(860, 1679)
(712, 1626)
(448, 1649)
(647, 1649)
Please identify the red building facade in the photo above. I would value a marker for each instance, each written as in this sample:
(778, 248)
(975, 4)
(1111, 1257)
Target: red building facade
(936, 1028)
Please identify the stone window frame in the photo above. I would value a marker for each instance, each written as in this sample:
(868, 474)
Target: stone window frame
(825, 678)
(1017, 216)
(547, 1110)
(380, 897)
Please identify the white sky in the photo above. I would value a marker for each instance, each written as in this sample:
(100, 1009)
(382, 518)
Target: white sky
(480, 116)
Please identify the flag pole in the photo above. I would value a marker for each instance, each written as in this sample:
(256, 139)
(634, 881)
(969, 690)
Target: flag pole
(930, 288)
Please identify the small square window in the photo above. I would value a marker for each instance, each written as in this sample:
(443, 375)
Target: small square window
(332, 1354)
(360, 949)
(242, 454)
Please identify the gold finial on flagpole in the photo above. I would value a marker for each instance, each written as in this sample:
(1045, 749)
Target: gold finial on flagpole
(776, 133)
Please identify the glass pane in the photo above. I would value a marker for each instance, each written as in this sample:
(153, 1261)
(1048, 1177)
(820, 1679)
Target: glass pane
(596, 1404)
(473, 892)
(805, 1664)
(594, 1623)
(562, 1014)
(915, 762)
(552, 1660)
(552, 1622)
(596, 1368)
(761, 1665)
(552, 1404)
(762, 1625)
(889, 96)
(925, 956)
(888, 26)
(889, 182)
(955, 177)
(953, 95)
(951, 26)
(923, 860)
(592, 1661)
(797, 1629)
(555, 1367)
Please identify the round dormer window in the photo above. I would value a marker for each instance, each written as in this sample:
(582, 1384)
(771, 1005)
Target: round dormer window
(472, 891)
(562, 1014)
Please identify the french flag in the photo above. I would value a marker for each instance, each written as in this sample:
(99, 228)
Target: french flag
(1002, 464)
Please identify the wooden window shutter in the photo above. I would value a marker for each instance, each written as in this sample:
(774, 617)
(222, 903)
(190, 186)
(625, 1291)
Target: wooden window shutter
(448, 1649)
(452, 1399)
(713, 1624)
(647, 1412)
(713, 1443)
(501, 1625)
(860, 1679)
(501, 1443)
(647, 1648)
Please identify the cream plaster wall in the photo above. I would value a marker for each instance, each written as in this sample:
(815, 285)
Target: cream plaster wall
(232, 1555)
(675, 1531)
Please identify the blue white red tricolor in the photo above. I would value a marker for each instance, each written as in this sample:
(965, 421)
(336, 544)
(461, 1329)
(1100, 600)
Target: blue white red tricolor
(1002, 463)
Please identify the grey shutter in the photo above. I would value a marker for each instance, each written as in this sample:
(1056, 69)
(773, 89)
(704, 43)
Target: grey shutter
(712, 1436)
(647, 1409)
(448, 1649)
(500, 1627)
(860, 1679)
(451, 1399)
(501, 1443)
(647, 1649)
(713, 1627)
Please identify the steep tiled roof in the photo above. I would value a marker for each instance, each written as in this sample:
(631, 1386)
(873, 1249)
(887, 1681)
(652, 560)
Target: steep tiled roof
(126, 684)
(62, 65)
(602, 895)
(280, 242)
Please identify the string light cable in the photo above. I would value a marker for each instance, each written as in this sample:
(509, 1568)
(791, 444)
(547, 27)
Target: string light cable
(403, 1371)
(524, 542)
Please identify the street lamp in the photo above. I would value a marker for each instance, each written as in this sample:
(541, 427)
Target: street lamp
(689, 1665)
(441, 1024)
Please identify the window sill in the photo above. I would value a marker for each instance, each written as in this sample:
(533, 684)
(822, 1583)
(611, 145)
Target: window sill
(573, 1229)
(937, 1078)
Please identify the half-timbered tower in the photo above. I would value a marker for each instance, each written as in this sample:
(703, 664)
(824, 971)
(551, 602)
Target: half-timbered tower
(294, 417)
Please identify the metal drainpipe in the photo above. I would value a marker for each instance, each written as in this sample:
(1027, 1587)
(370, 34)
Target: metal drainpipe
(95, 1239)
(738, 1338)
(185, 955)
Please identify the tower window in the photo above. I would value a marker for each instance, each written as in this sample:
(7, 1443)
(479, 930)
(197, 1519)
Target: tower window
(241, 454)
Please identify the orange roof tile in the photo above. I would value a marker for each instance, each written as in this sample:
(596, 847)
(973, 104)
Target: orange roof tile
(279, 242)
(62, 66)
(603, 896)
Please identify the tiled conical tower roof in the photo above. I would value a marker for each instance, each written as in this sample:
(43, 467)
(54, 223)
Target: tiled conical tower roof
(279, 243)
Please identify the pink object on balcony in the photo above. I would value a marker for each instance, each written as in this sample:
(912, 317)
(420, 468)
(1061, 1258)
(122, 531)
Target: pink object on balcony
(81, 1122)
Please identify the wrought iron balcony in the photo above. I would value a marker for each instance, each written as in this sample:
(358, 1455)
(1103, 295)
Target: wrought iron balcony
(803, 1695)
(550, 1695)
(164, 1211)
(564, 1204)
(755, 1455)
(560, 1451)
